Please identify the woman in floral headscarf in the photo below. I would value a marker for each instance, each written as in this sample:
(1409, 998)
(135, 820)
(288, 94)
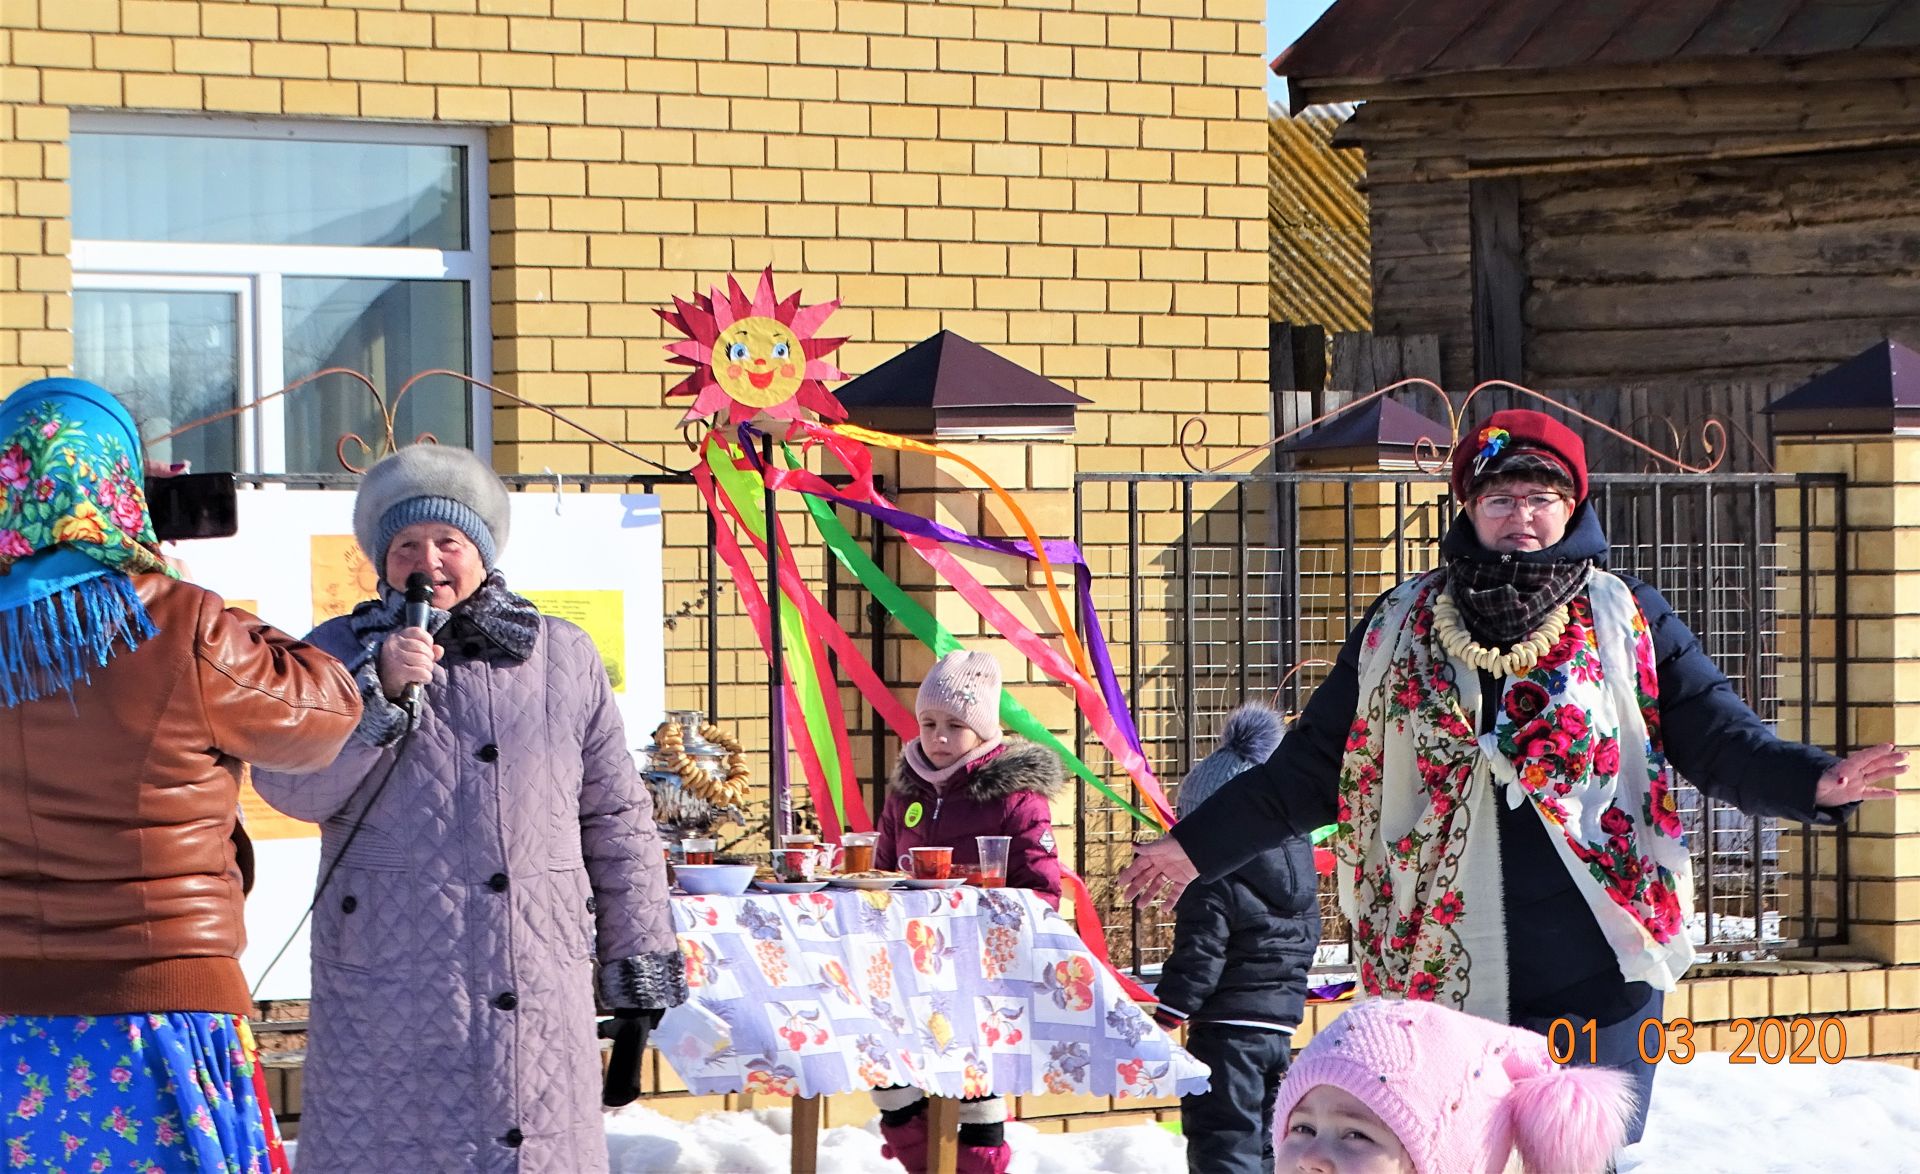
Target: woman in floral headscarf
(1497, 744)
(128, 701)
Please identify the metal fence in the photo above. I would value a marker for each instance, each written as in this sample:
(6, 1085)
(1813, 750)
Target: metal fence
(1215, 589)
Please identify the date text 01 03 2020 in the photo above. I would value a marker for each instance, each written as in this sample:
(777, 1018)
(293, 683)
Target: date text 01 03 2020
(1760, 1041)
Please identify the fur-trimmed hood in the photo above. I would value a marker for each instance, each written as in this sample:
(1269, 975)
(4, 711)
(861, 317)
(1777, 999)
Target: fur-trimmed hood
(1020, 766)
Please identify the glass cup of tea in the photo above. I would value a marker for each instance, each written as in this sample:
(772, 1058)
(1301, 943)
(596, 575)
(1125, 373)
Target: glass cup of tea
(993, 860)
(856, 851)
(927, 863)
(697, 850)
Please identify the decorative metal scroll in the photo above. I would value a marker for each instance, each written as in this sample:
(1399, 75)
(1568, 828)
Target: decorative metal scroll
(1430, 458)
(388, 442)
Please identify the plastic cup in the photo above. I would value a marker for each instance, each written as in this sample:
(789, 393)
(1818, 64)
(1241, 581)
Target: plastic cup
(697, 850)
(856, 851)
(993, 860)
(928, 863)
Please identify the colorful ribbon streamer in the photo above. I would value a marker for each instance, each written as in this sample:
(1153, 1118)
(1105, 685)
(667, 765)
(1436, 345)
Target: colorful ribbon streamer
(813, 692)
(902, 606)
(1092, 704)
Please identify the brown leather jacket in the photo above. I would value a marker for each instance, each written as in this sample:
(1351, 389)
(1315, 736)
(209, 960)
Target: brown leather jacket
(120, 890)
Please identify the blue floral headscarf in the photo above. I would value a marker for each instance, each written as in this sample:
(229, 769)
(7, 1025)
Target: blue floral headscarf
(73, 528)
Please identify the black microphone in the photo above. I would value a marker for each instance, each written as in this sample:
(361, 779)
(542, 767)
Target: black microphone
(419, 605)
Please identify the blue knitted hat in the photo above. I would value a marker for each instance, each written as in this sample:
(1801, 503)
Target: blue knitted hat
(1250, 736)
(431, 483)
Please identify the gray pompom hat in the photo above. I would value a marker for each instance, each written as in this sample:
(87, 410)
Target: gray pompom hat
(1248, 738)
(431, 483)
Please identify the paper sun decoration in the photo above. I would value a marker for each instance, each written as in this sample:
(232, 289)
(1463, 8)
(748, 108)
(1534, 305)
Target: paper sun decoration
(754, 355)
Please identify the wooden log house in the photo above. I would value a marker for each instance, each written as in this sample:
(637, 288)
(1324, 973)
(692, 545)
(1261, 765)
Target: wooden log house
(1700, 201)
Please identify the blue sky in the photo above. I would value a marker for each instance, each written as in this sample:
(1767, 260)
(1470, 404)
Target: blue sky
(1286, 20)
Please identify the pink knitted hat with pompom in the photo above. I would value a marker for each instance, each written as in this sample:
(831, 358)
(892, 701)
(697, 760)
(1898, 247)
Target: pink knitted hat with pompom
(964, 685)
(1461, 1093)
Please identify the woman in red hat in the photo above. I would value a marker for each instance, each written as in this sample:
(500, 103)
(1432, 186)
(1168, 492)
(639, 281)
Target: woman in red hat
(1498, 744)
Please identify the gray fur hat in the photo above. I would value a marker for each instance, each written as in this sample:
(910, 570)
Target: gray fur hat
(431, 483)
(1251, 734)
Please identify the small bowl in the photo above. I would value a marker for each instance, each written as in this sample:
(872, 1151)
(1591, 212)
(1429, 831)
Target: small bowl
(714, 880)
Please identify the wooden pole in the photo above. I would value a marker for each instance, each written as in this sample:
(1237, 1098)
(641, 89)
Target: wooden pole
(806, 1135)
(943, 1134)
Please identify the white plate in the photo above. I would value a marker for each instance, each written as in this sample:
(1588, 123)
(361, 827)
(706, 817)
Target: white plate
(789, 886)
(952, 882)
(865, 882)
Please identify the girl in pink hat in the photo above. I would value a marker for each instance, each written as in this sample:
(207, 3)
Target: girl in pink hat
(961, 779)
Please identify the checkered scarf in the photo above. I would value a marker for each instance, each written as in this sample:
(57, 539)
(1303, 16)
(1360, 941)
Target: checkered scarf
(1504, 602)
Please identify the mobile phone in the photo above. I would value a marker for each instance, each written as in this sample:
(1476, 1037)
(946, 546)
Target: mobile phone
(193, 505)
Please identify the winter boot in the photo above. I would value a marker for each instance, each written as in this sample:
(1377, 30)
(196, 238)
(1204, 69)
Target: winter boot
(904, 1127)
(983, 1159)
(983, 1137)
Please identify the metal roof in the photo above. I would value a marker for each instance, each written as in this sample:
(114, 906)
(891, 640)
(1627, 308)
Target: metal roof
(1318, 269)
(1395, 40)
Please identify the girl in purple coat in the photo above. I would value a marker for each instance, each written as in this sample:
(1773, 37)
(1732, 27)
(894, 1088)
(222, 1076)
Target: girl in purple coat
(962, 778)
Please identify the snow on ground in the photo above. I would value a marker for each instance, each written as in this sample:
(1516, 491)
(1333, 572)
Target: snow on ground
(641, 1141)
(1709, 1116)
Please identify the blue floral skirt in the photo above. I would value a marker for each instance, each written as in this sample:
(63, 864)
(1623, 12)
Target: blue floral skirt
(180, 1093)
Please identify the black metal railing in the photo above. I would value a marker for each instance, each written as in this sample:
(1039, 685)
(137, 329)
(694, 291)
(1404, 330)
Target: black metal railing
(1217, 588)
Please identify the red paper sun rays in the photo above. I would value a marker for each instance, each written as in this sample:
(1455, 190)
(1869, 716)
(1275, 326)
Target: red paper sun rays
(754, 354)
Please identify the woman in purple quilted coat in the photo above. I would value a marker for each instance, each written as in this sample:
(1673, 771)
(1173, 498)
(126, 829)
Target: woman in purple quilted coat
(489, 863)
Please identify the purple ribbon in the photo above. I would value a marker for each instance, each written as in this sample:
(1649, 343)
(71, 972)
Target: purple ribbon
(1058, 551)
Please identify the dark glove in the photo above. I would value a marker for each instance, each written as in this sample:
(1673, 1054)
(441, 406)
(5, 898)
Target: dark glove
(628, 1029)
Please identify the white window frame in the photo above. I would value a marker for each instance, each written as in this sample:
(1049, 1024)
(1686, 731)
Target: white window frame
(171, 265)
(254, 425)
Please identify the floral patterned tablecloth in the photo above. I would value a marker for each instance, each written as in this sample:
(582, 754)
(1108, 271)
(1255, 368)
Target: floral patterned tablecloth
(962, 992)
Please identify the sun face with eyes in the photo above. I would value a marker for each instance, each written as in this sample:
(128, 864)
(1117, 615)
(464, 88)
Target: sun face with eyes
(758, 361)
(752, 354)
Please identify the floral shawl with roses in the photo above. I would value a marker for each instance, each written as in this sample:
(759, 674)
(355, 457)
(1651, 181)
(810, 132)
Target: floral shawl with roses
(1577, 737)
(73, 526)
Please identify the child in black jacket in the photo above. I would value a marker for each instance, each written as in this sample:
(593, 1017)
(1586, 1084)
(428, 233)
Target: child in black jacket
(1237, 976)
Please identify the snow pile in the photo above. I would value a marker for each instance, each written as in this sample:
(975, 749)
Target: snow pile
(1709, 1115)
(641, 1141)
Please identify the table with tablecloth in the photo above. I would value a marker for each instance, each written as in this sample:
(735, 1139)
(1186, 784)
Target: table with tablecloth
(961, 992)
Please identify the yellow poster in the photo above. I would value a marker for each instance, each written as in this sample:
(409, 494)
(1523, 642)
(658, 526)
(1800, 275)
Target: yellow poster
(603, 614)
(342, 576)
(263, 822)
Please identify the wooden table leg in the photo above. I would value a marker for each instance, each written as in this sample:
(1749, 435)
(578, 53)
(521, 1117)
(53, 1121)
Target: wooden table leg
(943, 1134)
(806, 1135)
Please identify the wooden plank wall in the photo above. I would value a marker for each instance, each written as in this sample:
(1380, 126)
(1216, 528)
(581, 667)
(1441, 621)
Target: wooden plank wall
(1741, 271)
(1688, 230)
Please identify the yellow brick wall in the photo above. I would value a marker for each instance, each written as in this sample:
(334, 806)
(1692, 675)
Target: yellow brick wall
(1882, 506)
(1076, 183)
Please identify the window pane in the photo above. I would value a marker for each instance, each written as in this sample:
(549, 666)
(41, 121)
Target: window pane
(389, 330)
(171, 358)
(155, 187)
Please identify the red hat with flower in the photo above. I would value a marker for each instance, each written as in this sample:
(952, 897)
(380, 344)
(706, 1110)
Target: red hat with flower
(1520, 440)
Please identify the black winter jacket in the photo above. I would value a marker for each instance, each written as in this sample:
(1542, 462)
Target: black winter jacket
(1242, 945)
(1557, 956)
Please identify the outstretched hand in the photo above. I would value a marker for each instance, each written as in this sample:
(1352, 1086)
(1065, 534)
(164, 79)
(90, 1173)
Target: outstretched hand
(1859, 775)
(1160, 872)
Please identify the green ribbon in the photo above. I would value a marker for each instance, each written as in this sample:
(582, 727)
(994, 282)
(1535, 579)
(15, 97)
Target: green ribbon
(744, 488)
(894, 599)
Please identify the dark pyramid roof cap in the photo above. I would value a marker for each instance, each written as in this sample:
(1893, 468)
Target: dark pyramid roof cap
(1384, 423)
(1876, 390)
(948, 371)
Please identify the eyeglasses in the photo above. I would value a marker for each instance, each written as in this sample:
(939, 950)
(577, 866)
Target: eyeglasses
(1502, 505)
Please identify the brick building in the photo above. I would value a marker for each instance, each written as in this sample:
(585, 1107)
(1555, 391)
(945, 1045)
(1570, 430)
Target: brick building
(509, 187)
